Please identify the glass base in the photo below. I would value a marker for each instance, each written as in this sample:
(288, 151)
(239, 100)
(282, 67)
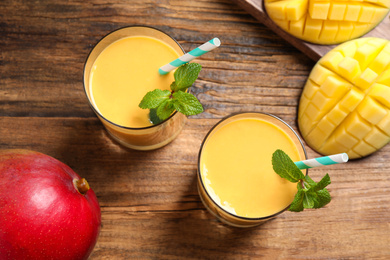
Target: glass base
(143, 147)
(220, 218)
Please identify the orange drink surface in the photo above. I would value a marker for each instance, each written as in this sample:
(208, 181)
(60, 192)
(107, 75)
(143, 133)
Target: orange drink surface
(121, 68)
(236, 172)
(124, 72)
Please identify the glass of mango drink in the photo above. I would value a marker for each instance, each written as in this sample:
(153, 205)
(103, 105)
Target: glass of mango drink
(236, 180)
(119, 71)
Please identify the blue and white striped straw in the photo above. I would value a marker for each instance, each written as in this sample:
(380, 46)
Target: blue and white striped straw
(202, 49)
(326, 160)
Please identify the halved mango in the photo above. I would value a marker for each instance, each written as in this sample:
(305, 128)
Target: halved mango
(327, 21)
(345, 104)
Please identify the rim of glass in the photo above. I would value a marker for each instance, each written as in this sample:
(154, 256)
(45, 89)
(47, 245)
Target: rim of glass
(200, 153)
(85, 88)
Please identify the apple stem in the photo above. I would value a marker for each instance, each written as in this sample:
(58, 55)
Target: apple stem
(81, 185)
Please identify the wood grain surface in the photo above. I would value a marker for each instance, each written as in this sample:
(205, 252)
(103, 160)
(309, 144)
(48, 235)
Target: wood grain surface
(314, 51)
(149, 200)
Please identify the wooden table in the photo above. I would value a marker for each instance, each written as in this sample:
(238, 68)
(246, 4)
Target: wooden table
(149, 200)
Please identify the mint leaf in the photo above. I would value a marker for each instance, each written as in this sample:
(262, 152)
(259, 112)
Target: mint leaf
(308, 202)
(297, 204)
(285, 167)
(185, 76)
(315, 198)
(323, 198)
(186, 103)
(325, 181)
(153, 117)
(154, 98)
(309, 182)
(165, 109)
(173, 86)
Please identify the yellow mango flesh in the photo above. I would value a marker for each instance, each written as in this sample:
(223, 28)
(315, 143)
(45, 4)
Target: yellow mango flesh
(327, 21)
(345, 104)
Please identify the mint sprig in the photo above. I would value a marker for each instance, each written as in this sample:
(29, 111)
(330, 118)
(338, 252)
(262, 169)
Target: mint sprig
(162, 103)
(310, 193)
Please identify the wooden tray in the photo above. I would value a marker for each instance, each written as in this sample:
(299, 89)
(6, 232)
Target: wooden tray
(314, 51)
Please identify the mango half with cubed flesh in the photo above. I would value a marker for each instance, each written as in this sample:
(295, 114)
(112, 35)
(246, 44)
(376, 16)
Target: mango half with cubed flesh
(345, 104)
(327, 21)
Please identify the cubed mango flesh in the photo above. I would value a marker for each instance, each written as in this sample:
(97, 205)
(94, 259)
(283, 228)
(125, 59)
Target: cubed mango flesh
(327, 21)
(345, 104)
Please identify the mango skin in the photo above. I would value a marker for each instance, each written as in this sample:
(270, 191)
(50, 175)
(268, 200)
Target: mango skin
(327, 22)
(345, 104)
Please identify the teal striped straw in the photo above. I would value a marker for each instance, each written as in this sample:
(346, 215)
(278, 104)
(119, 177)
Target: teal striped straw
(202, 49)
(321, 161)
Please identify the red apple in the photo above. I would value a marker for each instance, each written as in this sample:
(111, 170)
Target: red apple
(46, 210)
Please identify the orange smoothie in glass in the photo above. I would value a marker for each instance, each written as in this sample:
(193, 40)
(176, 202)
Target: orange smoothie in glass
(236, 179)
(119, 71)
(124, 72)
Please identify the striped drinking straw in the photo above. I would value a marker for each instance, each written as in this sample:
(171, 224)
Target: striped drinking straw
(202, 49)
(321, 161)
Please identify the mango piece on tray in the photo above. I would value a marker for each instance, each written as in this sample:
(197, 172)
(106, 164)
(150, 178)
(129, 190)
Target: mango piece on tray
(345, 104)
(327, 21)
